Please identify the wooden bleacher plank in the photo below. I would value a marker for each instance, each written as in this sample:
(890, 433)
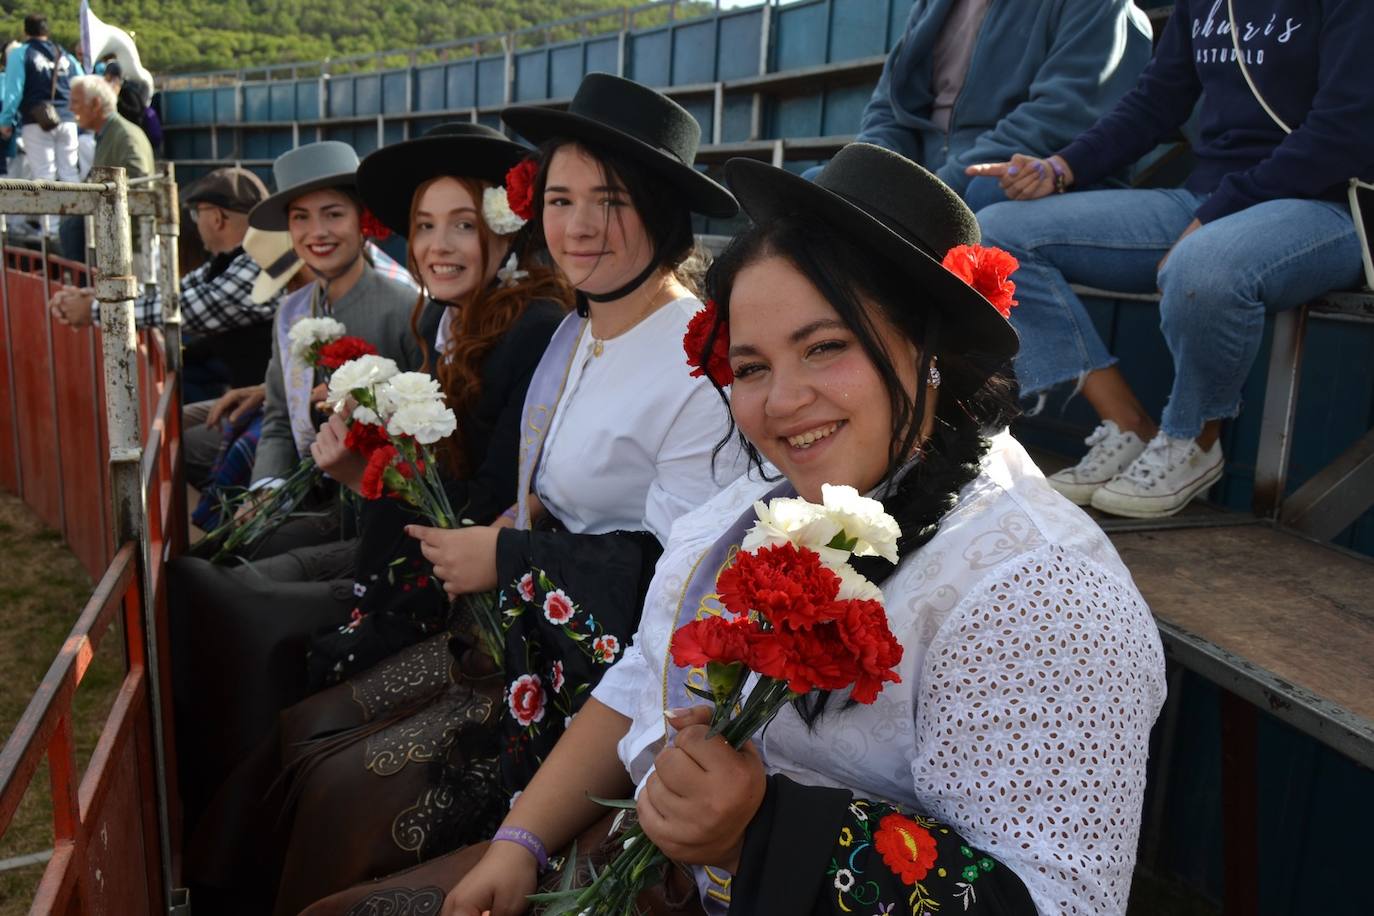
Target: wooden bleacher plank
(1280, 620)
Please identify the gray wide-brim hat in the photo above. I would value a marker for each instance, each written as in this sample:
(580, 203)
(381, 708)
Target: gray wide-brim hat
(388, 178)
(327, 164)
(888, 204)
(638, 122)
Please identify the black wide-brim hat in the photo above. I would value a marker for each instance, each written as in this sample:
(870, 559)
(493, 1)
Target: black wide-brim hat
(388, 178)
(886, 203)
(297, 172)
(634, 120)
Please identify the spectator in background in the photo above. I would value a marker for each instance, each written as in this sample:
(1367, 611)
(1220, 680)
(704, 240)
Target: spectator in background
(973, 81)
(37, 73)
(134, 102)
(1261, 225)
(117, 142)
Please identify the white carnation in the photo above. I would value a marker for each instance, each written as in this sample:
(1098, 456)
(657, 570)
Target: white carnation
(425, 421)
(363, 372)
(854, 587)
(363, 414)
(497, 213)
(794, 521)
(863, 521)
(407, 388)
(307, 332)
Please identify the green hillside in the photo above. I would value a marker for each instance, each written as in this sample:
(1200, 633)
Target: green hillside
(191, 35)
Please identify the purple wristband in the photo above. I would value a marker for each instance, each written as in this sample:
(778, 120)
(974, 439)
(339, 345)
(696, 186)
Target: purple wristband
(532, 843)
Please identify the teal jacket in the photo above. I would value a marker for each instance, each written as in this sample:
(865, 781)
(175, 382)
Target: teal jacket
(1042, 72)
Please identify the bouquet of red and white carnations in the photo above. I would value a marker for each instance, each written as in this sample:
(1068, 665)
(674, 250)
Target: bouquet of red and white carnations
(395, 420)
(801, 618)
(321, 343)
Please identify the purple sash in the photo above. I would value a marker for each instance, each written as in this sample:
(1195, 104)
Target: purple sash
(700, 600)
(299, 378)
(541, 400)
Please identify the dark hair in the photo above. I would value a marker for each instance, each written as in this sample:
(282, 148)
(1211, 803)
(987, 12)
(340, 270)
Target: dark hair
(35, 25)
(667, 220)
(978, 395)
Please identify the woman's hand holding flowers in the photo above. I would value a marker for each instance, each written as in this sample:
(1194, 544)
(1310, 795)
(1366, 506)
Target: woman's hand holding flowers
(464, 559)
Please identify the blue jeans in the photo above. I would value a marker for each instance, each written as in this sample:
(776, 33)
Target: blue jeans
(980, 192)
(1215, 288)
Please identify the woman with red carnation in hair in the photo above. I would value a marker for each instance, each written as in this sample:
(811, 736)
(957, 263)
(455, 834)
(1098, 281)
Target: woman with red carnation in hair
(1003, 772)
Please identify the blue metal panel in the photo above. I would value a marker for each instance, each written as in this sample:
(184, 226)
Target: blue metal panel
(740, 35)
(648, 56)
(531, 76)
(279, 140)
(603, 56)
(799, 116)
(393, 132)
(565, 69)
(257, 145)
(283, 107)
(429, 88)
(799, 35)
(308, 100)
(491, 120)
(844, 107)
(226, 105)
(694, 52)
(201, 147)
(367, 94)
(857, 29)
(736, 119)
(203, 106)
(420, 126)
(176, 106)
(178, 146)
(396, 92)
(346, 133)
(257, 102)
(461, 80)
(341, 97)
(491, 81)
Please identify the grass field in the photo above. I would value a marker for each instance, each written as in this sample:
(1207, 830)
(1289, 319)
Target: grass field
(42, 590)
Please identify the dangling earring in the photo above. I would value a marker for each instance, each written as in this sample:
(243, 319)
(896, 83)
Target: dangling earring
(933, 376)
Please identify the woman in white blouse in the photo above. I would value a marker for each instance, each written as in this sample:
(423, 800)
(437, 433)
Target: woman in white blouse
(1005, 773)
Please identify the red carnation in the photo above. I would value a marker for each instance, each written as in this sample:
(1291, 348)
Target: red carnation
(713, 639)
(987, 270)
(374, 475)
(520, 188)
(344, 350)
(372, 227)
(862, 627)
(716, 365)
(784, 584)
(365, 438)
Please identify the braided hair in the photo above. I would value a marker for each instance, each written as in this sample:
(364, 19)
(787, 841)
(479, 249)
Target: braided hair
(978, 395)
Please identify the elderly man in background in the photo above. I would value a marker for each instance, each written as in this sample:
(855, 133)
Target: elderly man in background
(974, 81)
(118, 143)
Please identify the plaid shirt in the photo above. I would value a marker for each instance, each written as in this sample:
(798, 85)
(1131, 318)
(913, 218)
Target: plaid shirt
(212, 303)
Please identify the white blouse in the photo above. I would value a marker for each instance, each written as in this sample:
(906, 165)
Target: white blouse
(1031, 677)
(629, 447)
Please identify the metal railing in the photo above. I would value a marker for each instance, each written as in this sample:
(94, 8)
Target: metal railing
(112, 824)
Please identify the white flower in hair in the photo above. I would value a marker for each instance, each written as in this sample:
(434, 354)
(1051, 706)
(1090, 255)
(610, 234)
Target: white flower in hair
(426, 421)
(500, 218)
(306, 333)
(363, 372)
(873, 532)
(407, 388)
(510, 274)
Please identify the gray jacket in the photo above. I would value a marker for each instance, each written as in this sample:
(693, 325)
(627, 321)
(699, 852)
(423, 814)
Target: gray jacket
(375, 309)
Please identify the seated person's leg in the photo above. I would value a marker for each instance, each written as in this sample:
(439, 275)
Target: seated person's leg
(983, 192)
(201, 442)
(1105, 239)
(1217, 286)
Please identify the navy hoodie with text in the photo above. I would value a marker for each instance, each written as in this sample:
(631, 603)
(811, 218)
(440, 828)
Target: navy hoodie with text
(1306, 57)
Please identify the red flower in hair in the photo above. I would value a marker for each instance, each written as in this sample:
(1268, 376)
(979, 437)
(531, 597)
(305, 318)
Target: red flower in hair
(365, 438)
(372, 227)
(716, 364)
(987, 270)
(345, 349)
(520, 188)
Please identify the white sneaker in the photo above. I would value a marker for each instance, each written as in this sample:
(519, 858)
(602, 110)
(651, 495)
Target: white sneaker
(1168, 474)
(1110, 451)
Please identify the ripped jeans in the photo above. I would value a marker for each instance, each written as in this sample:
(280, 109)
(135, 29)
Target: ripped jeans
(1216, 287)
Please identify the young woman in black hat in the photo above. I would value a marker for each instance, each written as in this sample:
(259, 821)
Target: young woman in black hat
(1004, 772)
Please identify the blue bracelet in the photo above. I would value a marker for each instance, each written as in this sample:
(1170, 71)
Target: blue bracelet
(522, 837)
